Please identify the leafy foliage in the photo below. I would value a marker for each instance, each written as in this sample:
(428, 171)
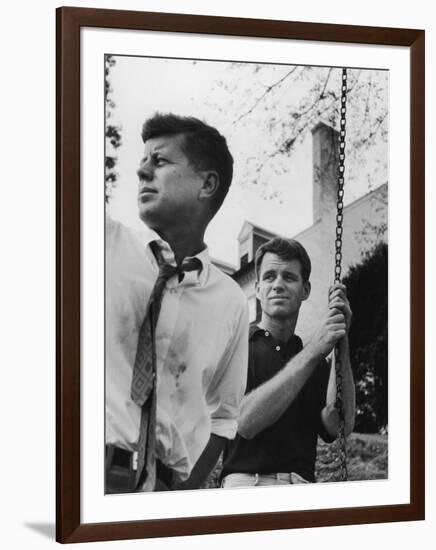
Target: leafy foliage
(112, 134)
(367, 288)
(367, 458)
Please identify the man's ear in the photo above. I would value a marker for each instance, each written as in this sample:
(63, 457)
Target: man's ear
(256, 288)
(306, 290)
(211, 182)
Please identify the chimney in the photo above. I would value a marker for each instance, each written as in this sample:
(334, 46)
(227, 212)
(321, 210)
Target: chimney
(325, 141)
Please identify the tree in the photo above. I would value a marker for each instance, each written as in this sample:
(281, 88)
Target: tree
(112, 133)
(284, 102)
(367, 288)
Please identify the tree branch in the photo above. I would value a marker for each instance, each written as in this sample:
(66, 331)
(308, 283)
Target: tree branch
(267, 91)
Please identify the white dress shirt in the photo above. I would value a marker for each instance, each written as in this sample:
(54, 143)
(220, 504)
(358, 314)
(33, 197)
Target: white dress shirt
(201, 347)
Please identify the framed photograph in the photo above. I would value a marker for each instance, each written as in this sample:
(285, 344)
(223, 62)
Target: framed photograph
(317, 138)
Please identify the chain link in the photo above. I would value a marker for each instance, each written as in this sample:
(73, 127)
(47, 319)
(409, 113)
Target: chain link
(342, 450)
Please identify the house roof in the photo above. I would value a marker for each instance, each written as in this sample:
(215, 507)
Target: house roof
(224, 266)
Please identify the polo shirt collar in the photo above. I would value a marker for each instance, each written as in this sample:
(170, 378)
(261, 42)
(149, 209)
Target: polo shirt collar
(293, 341)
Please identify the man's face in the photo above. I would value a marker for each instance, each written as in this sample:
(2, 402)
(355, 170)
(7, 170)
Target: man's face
(280, 287)
(169, 186)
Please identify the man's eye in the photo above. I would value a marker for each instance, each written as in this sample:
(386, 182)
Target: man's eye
(158, 160)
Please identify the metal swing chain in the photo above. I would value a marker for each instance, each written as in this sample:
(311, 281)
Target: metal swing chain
(342, 475)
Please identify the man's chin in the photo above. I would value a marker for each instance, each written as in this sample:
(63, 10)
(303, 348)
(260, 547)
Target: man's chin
(281, 311)
(149, 217)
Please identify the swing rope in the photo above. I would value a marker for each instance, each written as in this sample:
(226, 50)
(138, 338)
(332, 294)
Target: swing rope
(342, 451)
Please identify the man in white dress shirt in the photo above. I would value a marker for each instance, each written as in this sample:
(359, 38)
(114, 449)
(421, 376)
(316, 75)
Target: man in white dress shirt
(202, 329)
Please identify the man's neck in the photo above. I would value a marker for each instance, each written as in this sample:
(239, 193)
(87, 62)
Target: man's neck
(184, 241)
(280, 329)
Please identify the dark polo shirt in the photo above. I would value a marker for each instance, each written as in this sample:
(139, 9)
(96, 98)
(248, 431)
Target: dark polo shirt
(289, 445)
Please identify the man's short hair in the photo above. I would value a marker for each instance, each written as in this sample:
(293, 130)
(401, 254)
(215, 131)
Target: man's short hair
(285, 249)
(204, 146)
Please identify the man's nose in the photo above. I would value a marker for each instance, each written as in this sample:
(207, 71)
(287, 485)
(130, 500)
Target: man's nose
(145, 171)
(278, 282)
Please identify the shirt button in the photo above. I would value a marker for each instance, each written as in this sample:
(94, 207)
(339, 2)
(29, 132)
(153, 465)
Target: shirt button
(266, 333)
(278, 348)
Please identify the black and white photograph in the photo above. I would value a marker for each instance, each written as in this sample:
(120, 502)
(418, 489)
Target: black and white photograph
(246, 274)
(217, 275)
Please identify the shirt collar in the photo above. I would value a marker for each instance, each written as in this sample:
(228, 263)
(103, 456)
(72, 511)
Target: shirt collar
(168, 255)
(294, 340)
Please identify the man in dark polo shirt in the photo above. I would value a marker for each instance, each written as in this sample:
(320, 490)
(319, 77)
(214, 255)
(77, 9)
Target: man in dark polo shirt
(291, 390)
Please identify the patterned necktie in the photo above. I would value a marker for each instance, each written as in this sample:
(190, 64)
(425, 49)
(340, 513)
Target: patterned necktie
(143, 388)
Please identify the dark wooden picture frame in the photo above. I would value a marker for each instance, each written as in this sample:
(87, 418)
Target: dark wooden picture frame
(68, 509)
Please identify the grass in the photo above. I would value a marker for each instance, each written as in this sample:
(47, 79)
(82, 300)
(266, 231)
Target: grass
(367, 458)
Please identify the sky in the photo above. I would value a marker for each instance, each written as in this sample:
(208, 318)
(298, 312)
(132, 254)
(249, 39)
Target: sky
(218, 92)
